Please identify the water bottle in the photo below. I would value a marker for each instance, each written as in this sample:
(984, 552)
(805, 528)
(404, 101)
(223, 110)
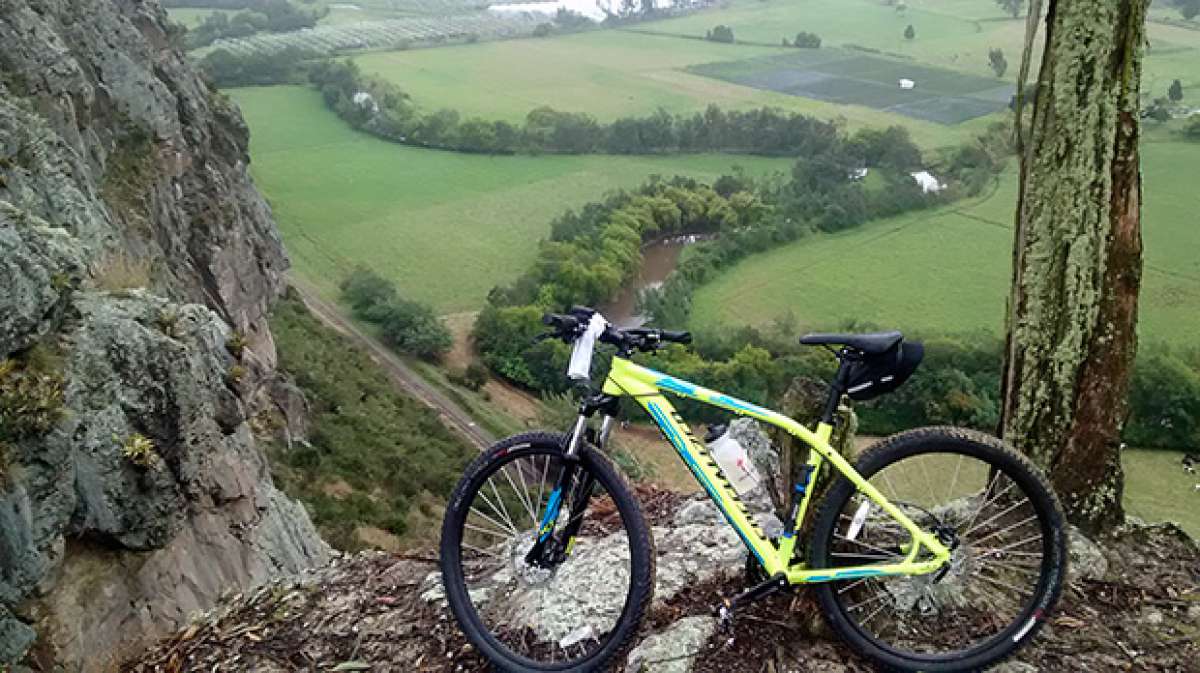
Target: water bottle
(733, 460)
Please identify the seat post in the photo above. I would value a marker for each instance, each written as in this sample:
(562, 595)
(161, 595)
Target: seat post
(836, 389)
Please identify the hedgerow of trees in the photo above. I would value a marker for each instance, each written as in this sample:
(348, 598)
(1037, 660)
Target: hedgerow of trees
(384, 110)
(408, 327)
(227, 69)
(1192, 130)
(274, 16)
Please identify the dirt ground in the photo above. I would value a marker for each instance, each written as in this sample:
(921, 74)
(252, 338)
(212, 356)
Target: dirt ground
(363, 613)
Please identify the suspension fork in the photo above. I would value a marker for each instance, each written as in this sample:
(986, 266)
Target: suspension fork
(546, 550)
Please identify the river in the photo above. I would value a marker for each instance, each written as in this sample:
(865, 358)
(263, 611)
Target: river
(658, 261)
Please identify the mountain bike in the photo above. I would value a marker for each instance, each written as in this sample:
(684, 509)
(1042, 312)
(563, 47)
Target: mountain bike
(939, 549)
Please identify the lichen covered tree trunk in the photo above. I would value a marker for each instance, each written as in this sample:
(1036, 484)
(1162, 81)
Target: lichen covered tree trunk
(1077, 258)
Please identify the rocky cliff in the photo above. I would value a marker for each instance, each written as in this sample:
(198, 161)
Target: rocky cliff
(137, 263)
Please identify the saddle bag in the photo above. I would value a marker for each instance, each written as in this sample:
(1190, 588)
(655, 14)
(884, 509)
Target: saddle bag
(876, 375)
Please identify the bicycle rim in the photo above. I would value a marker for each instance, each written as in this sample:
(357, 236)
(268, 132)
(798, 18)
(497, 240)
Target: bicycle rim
(530, 609)
(995, 515)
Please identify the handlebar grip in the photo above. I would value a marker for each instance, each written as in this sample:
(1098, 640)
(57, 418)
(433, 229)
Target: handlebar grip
(564, 323)
(676, 337)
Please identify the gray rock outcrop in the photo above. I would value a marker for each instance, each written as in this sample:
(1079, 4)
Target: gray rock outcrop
(674, 649)
(133, 248)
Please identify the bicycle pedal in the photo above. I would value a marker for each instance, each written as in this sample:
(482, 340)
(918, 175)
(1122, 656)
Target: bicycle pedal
(725, 617)
(725, 611)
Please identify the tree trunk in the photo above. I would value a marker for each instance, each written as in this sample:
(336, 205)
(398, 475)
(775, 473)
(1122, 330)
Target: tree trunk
(1077, 257)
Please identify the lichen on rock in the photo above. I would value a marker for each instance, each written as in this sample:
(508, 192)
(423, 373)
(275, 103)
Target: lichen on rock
(124, 198)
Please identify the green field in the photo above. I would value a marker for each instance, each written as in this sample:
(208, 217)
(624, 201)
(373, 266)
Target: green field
(611, 73)
(953, 34)
(607, 74)
(446, 226)
(948, 270)
(1157, 489)
(851, 77)
(192, 17)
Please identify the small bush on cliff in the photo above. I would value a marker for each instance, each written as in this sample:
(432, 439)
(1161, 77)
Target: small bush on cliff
(139, 450)
(31, 396)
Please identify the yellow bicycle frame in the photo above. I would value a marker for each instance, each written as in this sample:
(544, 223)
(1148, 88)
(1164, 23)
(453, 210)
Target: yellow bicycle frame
(626, 378)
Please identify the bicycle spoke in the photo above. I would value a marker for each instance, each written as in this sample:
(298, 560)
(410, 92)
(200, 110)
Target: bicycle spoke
(521, 492)
(980, 526)
(887, 553)
(512, 591)
(489, 519)
(991, 577)
(486, 531)
(507, 517)
(954, 480)
(996, 582)
(1005, 530)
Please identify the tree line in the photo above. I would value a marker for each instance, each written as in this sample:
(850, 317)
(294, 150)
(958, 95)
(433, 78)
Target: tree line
(383, 109)
(272, 16)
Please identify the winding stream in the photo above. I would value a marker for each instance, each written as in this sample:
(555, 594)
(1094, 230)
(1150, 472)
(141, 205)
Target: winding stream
(659, 259)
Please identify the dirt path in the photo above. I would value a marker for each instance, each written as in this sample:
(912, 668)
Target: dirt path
(400, 373)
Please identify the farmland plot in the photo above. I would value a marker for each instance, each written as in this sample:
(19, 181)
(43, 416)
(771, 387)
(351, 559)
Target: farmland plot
(851, 77)
(387, 34)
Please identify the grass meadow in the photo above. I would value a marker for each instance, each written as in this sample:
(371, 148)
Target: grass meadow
(446, 226)
(948, 270)
(609, 74)
(954, 34)
(1157, 489)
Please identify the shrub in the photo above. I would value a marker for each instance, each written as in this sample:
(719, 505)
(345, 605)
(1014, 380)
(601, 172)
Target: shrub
(364, 288)
(139, 450)
(408, 327)
(476, 376)
(720, 33)
(236, 344)
(1164, 403)
(31, 397)
(806, 40)
(386, 447)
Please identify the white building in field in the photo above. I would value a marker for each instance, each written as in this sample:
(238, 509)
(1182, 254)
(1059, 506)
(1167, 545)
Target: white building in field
(365, 100)
(928, 181)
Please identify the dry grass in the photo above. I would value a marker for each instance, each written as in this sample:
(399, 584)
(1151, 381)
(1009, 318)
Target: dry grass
(120, 271)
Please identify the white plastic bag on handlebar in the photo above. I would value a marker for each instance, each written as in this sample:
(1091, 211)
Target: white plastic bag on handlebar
(581, 356)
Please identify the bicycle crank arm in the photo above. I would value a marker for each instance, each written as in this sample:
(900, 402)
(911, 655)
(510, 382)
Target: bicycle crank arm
(769, 587)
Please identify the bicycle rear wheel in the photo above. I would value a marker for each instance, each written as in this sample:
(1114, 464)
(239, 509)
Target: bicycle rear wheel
(1002, 522)
(525, 530)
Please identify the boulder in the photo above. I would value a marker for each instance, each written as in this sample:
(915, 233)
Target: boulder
(1086, 560)
(674, 649)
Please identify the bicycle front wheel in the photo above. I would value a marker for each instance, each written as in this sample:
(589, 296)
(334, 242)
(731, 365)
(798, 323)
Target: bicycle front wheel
(989, 505)
(547, 563)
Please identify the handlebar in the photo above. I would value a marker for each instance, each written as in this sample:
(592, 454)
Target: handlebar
(570, 326)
